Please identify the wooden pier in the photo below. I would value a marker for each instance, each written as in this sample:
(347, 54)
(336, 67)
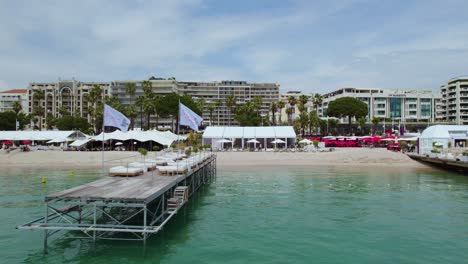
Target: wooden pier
(449, 164)
(121, 208)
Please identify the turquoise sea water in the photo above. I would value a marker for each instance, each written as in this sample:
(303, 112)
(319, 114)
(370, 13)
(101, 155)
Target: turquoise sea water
(323, 215)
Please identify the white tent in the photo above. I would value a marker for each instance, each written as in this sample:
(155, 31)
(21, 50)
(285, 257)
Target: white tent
(241, 135)
(163, 138)
(46, 135)
(441, 134)
(305, 141)
(80, 142)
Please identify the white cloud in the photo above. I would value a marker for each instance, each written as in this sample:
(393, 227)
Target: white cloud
(308, 46)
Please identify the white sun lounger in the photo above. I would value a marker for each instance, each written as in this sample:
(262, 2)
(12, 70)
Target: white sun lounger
(147, 166)
(125, 171)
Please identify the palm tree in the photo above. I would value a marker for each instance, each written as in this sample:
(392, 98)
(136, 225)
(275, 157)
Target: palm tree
(130, 89)
(93, 98)
(258, 102)
(375, 123)
(303, 99)
(17, 107)
(217, 105)
(289, 112)
(314, 121)
(292, 103)
(318, 99)
(273, 109)
(280, 106)
(63, 111)
(140, 100)
(230, 103)
(147, 105)
(211, 109)
(38, 110)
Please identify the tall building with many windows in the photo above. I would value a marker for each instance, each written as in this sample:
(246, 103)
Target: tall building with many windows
(410, 106)
(243, 91)
(69, 96)
(455, 101)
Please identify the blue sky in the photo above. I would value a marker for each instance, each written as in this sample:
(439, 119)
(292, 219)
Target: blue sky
(313, 46)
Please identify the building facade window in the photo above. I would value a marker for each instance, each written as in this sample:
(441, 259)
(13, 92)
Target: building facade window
(395, 107)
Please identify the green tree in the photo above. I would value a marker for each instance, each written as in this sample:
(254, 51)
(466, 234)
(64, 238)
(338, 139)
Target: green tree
(318, 99)
(94, 107)
(332, 125)
(17, 107)
(289, 112)
(273, 109)
(218, 103)
(211, 109)
(375, 123)
(313, 121)
(230, 103)
(280, 105)
(72, 123)
(130, 89)
(303, 121)
(362, 124)
(258, 102)
(63, 111)
(38, 110)
(140, 101)
(8, 120)
(247, 115)
(303, 99)
(50, 121)
(347, 107)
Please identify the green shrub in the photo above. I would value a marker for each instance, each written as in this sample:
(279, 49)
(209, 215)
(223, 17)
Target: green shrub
(465, 153)
(156, 148)
(188, 152)
(435, 151)
(143, 151)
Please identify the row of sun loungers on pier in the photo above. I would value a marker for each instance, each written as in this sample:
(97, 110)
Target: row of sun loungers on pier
(169, 164)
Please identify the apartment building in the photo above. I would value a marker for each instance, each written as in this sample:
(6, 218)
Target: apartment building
(64, 95)
(8, 98)
(242, 90)
(410, 106)
(160, 87)
(454, 103)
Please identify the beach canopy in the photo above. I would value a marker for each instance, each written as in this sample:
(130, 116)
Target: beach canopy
(276, 141)
(45, 135)
(164, 138)
(253, 141)
(305, 141)
(80, 142)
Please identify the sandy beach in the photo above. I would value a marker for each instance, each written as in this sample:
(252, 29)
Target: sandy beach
(350, 157)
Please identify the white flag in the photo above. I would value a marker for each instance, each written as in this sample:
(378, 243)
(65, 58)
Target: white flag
(189, 118)
(116, 119)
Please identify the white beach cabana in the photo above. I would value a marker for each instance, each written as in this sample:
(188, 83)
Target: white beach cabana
(456, 135)
(242, 136)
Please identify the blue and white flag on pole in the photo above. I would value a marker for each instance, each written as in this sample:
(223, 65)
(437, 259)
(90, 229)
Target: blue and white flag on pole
(116, 119)
(189, 118)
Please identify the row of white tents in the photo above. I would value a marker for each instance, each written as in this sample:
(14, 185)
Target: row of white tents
(79, 139)
(243, 137)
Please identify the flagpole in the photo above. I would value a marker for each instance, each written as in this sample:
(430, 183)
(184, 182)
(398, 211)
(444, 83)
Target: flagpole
(103, 111)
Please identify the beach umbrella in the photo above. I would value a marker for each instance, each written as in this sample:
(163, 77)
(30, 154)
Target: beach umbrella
(253, 141)
(329, 137)
(119, 143)
(305, 141)
(7, 142)
(276, 141)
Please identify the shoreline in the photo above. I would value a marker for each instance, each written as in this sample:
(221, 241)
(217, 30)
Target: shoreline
(342, 157)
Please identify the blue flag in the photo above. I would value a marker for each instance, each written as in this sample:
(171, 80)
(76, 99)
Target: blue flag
(116, 119)
(189, 118)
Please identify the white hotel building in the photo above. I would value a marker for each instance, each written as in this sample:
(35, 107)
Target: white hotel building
(455, 101)
(8, 98)
(410, 106)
